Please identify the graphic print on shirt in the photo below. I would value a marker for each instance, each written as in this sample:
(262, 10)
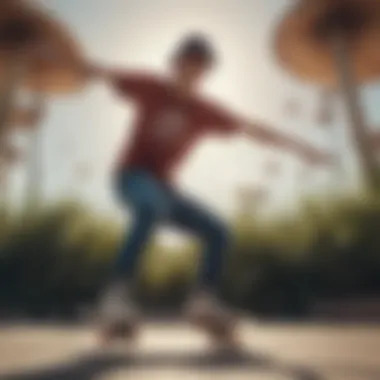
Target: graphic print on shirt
(170, 126)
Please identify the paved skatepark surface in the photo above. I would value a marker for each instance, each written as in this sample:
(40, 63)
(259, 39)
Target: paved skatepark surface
(176, 351)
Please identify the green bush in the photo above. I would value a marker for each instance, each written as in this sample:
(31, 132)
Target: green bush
(56, 259)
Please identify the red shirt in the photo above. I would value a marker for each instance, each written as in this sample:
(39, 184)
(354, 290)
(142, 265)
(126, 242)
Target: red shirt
(167, 124)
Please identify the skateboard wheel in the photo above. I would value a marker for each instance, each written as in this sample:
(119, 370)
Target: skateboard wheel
(221, 331)
(118, 331)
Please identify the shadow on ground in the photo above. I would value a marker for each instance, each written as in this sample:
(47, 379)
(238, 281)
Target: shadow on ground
(91, 366)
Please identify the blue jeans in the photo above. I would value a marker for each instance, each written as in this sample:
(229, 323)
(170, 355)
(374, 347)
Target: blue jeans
(152, 203)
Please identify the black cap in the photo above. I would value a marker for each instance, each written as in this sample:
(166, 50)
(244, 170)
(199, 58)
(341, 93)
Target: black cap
(196, 46)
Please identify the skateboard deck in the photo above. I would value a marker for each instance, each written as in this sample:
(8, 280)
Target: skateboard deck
(223, 333)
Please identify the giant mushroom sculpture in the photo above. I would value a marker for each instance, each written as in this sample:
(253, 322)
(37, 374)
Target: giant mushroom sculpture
(36, 52)
(335, 43)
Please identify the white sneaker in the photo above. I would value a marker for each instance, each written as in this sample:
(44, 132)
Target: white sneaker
(205, 309)
(116, 305)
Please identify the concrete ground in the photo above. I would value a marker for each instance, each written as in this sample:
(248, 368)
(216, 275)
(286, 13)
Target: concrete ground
(176, 351)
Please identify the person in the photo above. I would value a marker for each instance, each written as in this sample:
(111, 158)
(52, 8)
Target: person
(172, 117)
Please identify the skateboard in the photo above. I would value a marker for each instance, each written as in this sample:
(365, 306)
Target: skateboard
(222, 333)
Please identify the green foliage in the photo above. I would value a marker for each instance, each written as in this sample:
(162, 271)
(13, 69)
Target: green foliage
(55, 259)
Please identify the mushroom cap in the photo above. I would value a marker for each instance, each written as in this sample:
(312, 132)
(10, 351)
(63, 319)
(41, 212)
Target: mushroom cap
(53, 60)
(303, 47)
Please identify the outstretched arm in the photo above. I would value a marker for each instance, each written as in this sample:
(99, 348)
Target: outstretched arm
(268, 136)
(132, 84)
(218, 119)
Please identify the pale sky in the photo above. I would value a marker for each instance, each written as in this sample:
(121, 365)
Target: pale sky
(134, 33)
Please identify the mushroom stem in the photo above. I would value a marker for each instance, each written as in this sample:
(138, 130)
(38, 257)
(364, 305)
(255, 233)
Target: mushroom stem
(338, 170)
(350, 94)
(35, 169)
(4, 187)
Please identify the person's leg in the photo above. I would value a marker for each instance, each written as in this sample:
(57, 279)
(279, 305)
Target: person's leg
(147, 202)
(204, 308)
(213, 233)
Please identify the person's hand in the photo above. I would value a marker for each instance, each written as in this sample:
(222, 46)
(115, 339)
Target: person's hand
(93, 72)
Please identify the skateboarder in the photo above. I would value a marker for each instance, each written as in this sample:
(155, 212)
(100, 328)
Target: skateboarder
(171, 118)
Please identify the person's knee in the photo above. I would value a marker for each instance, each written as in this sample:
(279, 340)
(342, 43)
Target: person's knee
(217, 235)
(148, 213)
(224, 236)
